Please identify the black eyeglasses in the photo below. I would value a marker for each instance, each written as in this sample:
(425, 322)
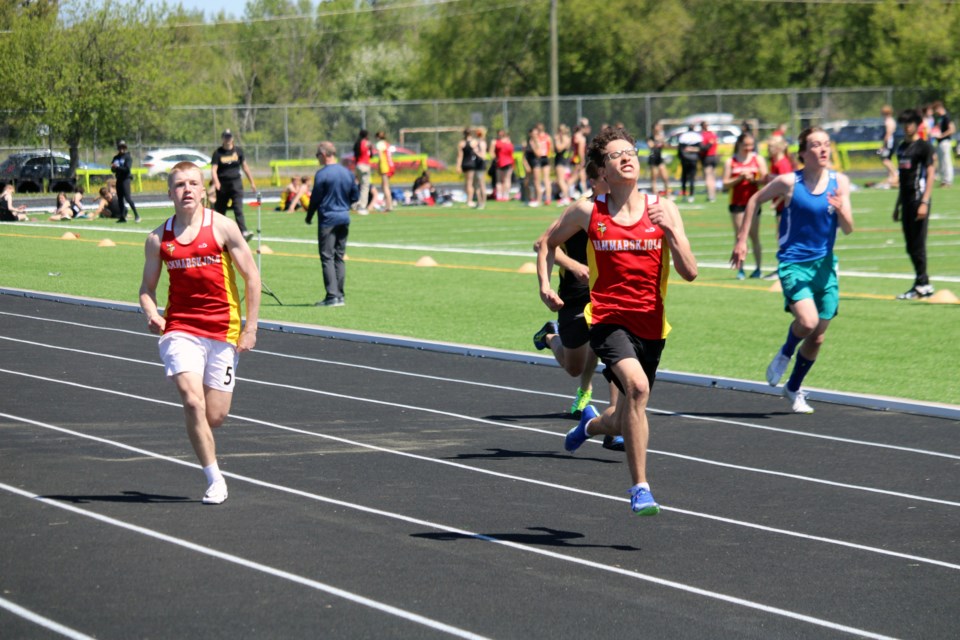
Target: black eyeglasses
(630, 152)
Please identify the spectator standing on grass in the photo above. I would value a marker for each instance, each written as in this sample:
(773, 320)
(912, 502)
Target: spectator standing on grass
(503, 157)
(578, 158)
(915, 161)
(531, 160)
(942, 137)
(226, 165)
(743, 174)
(562, 155)
(467, 164)
(386, 168)
(632, 238)
(121, 166)
(780, 164)
(9, 212)
(688, 148)
(543, 163)
(656, 143)
(817, 203)
(334, 192)
(200, 328)
(708, 158)
(361, 155)
(887, 147)
(480, 168)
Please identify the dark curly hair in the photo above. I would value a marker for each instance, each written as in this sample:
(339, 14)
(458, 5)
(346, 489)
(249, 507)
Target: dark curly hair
(596, 151)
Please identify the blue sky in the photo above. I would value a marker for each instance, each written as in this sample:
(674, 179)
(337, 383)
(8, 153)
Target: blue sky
(212, 7)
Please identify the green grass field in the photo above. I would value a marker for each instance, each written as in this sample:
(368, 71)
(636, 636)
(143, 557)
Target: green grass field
(477, 295)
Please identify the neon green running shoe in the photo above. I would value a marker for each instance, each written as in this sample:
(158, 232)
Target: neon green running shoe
(581, 401)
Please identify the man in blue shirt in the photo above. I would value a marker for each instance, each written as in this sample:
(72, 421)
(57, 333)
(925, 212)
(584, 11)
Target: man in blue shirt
(334, 190)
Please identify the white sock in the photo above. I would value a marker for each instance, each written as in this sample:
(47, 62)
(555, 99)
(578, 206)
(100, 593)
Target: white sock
(213, 473)
(638, 486)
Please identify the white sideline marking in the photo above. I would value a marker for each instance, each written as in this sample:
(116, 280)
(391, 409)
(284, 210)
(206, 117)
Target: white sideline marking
(425, 523)
(39, 620)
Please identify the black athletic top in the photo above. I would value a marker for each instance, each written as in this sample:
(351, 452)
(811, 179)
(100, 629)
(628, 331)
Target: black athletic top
(572, 289)
(121, 165)
(228, 164)
(913, 158)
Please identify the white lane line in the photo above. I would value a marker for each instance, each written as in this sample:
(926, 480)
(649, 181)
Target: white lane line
(408, 519)
(256, 566)
(468, 418)
(39, 620)
(496, 474)
(748, 425)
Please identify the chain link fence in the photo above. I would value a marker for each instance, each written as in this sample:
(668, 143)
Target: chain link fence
(284, 132)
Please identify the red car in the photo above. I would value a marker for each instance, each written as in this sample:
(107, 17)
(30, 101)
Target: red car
(433, 164)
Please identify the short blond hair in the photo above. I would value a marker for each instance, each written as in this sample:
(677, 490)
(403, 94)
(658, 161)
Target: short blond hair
(182, 167)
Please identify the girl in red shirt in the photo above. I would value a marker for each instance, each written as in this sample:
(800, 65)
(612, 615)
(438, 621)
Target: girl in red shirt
(743, 173)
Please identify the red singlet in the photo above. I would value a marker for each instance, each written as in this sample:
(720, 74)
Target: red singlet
(742, 191)
(629, 269)
(364, 157)
(203, 299)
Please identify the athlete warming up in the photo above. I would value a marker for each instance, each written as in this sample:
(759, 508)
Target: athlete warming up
(816, 201)
(201, 329)
(632, 239)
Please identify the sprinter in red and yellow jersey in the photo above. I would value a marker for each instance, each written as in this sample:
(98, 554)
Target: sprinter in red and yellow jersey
(201, 328)
(632, 240)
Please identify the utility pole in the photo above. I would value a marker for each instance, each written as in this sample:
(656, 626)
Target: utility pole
(554, 73)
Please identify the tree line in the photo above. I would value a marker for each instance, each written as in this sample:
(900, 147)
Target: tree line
(85, 70)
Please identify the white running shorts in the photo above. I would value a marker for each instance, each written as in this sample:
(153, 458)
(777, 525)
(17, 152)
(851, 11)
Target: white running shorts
(215, 360)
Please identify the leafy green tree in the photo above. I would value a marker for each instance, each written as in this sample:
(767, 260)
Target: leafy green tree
(83, 74)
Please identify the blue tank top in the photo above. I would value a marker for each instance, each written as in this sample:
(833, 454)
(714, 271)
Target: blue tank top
(808, 225)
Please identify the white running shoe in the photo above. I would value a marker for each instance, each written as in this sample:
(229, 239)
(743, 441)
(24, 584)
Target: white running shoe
(216, 492)
(798, 399)
(777, 368)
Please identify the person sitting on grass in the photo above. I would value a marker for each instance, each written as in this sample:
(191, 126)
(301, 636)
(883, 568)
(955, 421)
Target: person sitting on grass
(76, 204)
(9, 212)
(63, 210)
(423, 192)
(290, 195)
(108, 206)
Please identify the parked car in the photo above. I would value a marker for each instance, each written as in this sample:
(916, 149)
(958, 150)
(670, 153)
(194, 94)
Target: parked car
(726, 133)
(433, 164)
(159, 161)
(862, 130)
(32, 171)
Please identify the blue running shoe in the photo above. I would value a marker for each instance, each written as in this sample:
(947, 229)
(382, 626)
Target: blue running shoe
(540, 337)
(578, 435)
(642, 502)
(614, 443)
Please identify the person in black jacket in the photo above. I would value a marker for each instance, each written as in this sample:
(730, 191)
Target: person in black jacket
(121, 166)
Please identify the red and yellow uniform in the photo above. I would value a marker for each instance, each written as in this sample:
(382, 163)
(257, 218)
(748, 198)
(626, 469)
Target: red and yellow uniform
(203, 298)
(629, 269)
